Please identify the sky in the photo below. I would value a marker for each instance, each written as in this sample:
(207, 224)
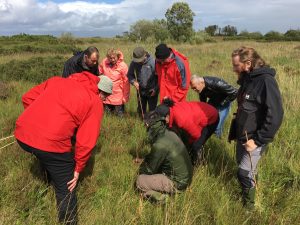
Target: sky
(108, 18)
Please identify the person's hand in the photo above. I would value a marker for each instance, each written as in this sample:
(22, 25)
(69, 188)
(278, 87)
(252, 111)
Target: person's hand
(152, 92)
(250, 145)
(72, 183)
(136, 84)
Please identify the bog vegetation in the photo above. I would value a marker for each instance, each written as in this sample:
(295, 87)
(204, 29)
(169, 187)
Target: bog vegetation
(105, 193)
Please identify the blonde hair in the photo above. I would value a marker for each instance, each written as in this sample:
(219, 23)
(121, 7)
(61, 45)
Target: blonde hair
(113, 52)
(249, 54)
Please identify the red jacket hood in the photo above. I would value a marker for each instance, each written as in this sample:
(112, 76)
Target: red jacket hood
(87, 79)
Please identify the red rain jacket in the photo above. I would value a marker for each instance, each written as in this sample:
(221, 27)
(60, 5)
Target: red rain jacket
(192, 117)
(55, 109)
(174, 77)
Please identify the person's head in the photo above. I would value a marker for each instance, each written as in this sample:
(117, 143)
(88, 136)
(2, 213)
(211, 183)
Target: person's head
(197, 83)
(139, 55)
(91, 56)
(105, 86)
(162, 52)
(113, 56)
(245, 59)
(164, 109)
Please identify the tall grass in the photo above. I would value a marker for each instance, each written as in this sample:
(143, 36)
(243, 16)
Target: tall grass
(106, 194)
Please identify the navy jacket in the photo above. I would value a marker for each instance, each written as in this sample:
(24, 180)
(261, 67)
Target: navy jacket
(76, 65)
(145, 75)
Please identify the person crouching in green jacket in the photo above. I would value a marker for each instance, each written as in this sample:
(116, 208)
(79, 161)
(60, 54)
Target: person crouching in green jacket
(167, 169)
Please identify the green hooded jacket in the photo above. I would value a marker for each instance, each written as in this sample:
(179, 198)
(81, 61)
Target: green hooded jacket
(168, 156)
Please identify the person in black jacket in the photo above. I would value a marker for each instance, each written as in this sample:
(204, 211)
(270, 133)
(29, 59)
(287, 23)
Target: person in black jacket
(82, 61)
(216, 92)
(259, 115)
(141, 75)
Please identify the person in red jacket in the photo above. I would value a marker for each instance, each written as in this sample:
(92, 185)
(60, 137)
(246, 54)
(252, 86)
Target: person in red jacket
(53, 112)
(198, 120)
(173, 73)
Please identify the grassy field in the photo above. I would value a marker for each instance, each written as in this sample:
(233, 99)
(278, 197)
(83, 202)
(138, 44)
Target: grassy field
(106, 194)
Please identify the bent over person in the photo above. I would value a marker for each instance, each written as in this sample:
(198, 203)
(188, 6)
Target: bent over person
(54, 111)
(167, 168)
(196, 121)
(216, 92)
(259, 116)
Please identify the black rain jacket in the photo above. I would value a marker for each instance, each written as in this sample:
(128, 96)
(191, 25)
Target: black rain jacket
(260, 111)
(217, 92)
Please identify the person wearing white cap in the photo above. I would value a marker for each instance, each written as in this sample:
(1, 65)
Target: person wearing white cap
(54, 112)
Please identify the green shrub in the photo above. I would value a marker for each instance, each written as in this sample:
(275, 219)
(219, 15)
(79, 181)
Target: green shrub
(36, 69)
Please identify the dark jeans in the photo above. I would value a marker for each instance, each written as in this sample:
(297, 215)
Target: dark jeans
(198, 144)
(119, 110)
(150, 100)
(60, 168)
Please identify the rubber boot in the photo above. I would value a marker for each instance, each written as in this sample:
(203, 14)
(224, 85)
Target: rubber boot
(249, 197)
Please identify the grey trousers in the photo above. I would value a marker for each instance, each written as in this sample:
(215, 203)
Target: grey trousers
(155, 183)
(247, 163)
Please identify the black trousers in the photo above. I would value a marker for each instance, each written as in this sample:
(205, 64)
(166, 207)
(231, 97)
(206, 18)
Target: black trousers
(198, 144)
(151, 101)
(119, 110)
(60, 168)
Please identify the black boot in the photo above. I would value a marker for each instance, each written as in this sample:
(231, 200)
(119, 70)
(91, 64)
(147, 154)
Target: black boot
(248, 197)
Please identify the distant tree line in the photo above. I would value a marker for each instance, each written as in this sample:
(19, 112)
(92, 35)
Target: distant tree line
(178, 26)
(230, 33)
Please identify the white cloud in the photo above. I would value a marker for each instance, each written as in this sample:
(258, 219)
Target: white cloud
(102, 19)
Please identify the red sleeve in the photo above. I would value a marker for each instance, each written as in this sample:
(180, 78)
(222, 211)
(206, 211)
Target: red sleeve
(87, 135)
(33, 94)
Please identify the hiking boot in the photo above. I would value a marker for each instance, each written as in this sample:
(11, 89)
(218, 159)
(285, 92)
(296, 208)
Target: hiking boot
(248, 195)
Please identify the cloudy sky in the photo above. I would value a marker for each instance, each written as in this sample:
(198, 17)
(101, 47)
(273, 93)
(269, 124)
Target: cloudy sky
(110, 17)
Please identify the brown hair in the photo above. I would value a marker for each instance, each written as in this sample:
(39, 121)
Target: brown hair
(249, 54)
(90, 50)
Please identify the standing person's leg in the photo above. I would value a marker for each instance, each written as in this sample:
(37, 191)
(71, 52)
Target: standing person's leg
(247, 163)
(61, 166)
(198, 144)
(120, 110)
(152, 102)
(223, 113)
(109, 108)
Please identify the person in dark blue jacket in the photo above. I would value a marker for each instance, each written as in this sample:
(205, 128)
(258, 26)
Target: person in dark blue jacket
(82, 61)
(141, 75)
(258, 118)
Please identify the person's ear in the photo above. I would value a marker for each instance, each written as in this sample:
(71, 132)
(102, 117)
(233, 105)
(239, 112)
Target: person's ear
(248, 65)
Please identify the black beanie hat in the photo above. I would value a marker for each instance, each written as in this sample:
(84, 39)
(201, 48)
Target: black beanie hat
(162, 51)
(163, 110)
